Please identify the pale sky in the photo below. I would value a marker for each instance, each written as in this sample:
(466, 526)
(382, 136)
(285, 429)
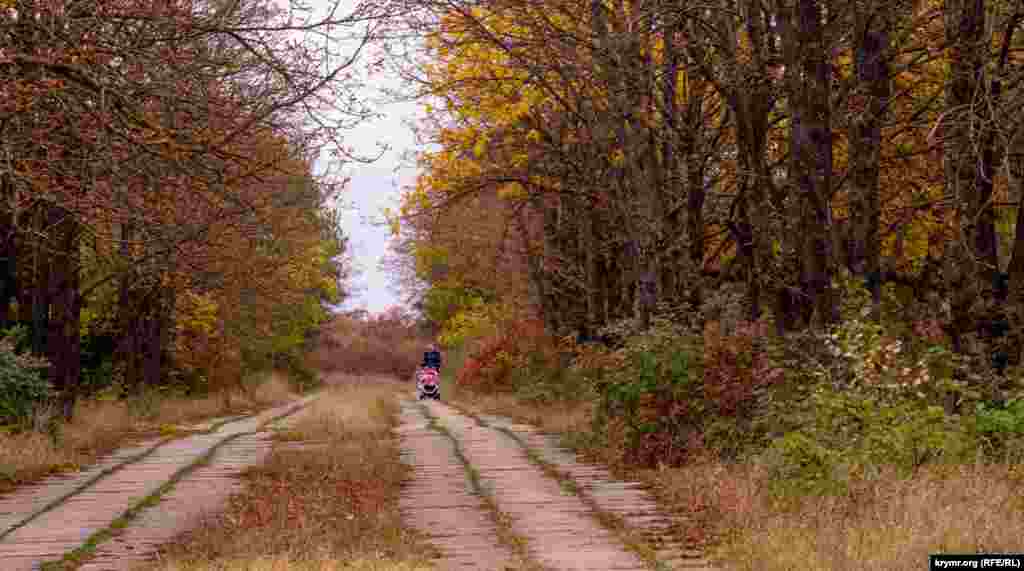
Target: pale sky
(374, 187)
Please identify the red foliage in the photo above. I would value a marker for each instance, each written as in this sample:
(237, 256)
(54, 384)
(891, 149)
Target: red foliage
(734, 370)
(930, 330)
(490, 365)
(733, 367)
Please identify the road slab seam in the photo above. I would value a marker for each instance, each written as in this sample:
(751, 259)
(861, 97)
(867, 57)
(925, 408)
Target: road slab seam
(82, 487)
(560, 529)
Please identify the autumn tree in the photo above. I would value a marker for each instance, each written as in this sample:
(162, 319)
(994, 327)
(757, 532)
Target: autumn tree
(650, 153)
(138, 137)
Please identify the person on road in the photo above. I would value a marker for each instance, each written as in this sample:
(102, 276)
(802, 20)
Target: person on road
(432, 358)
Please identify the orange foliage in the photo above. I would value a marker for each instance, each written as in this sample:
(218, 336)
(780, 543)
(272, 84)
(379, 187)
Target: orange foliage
(490, 365)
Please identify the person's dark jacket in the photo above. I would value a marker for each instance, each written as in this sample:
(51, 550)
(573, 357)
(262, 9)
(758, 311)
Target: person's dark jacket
(432, 359)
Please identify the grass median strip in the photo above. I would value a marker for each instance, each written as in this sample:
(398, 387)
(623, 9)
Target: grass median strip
(103, 424)
(111, 470)
(76, 557)
(84, 486)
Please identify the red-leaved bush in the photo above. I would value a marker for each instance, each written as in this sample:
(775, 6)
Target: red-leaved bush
(492, 360)
(710, 408)
(735, 368)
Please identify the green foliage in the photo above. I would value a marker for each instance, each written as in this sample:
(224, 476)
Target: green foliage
(541, 379)
(97, 379)
(846, 434)
(302, 377)
(1001, 428)
(657, 397)
(464, 313)
(23, 387)
(17, 338)
(291, 335)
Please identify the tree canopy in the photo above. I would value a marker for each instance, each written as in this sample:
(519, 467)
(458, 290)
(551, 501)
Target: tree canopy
(594, 161)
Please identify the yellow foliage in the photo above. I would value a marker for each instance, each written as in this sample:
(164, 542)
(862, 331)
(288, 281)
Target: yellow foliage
(618, 158)
(512, 191)
(198, 313)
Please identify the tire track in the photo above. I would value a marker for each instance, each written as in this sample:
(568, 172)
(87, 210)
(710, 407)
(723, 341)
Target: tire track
(627, 502)
(441, 502)
(559, 530)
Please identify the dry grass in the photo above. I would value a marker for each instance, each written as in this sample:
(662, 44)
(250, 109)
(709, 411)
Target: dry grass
(891, 523)
(271, 391)
(99, 427)
(560, 418)
(334, 506)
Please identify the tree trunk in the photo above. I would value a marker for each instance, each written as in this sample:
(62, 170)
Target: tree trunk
(40, 285)
(152, 327)
(8, 255)
(811, 160)
(1015, 269)
(547, 270)
(63, 346)
(871, 48)
(750, 104)
(965, 23)
(129, 348)
(589, 241)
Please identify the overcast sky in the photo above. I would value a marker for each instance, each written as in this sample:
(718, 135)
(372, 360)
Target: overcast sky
(374, 187)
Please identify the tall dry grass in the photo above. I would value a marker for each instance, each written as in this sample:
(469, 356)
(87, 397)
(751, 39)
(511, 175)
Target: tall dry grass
(331, 506)
(557, 417)
(101, 426)
(891, 523)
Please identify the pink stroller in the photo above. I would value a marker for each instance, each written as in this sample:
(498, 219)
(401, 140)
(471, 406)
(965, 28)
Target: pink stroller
(428, 384)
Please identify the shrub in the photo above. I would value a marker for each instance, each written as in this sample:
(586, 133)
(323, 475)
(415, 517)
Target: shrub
(22, 385)
(1000, 428)
(379, 345)
(509, 357)
(846, 435)
(674, 392)
(541, 379)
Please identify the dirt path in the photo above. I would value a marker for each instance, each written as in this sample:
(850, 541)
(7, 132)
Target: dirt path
(490, 487)
(60, 515)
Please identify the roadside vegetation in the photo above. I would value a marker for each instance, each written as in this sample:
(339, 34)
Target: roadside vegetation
(327, 498)
(37, 440)
(869, 444)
